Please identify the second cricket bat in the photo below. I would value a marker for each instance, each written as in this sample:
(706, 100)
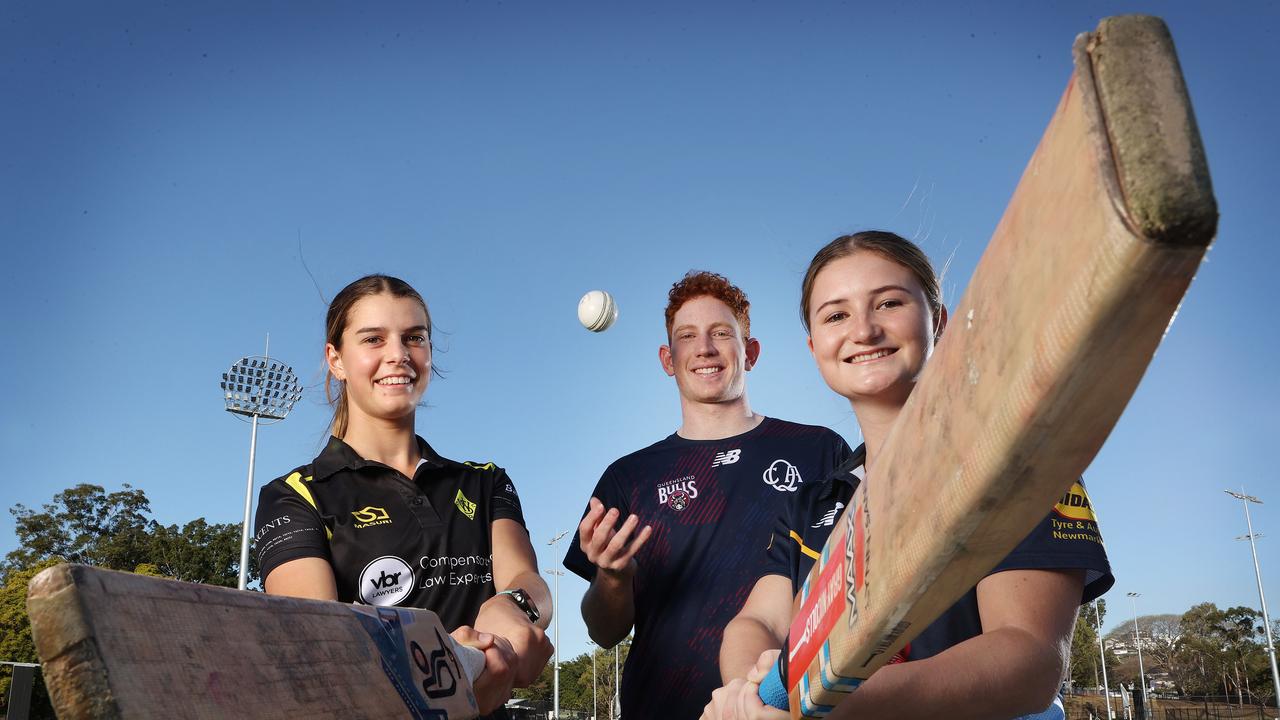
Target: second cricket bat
(116, 645)
(1082, 277)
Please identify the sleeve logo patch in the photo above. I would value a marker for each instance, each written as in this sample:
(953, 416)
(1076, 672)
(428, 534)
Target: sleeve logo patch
(370, 515)
(465, 506)
(1075, 505)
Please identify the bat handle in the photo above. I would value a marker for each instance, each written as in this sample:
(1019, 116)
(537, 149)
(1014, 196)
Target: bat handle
(471, 659)
(772, 690)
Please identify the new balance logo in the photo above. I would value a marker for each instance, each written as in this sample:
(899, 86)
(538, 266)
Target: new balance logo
(829, 518)
(728, 457)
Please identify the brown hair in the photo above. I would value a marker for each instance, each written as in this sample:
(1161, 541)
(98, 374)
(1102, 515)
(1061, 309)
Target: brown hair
(335, 322)
(890, 246)
(699, 283)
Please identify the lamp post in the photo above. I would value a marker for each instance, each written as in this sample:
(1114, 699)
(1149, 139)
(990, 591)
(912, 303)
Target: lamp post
(1142, 676)
(555, 606)
(1102, 653)
(592, 645)
(1262, 598)
(262, 390)
(556, 658)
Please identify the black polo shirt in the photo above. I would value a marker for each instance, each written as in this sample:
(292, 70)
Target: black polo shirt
(419, 542)
(1067, 538)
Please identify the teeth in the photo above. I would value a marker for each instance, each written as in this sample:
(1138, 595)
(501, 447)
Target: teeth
(706, 371)
(872, 355)
(395, 381)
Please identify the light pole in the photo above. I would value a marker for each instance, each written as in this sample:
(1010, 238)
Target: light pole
(257, 388)
(1102, 653)
(593, 678)
(555, 607)
(1262, 598)
(615, 707)
(1142, 676)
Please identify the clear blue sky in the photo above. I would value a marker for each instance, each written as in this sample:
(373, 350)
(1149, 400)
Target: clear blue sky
(164, 169)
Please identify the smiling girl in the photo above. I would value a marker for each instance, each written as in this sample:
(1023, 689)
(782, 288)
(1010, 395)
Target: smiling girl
(380, 518)
(871, 304)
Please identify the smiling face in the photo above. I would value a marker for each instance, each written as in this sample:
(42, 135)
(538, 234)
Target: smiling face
(871, 328)
(708, 356)
(384, 359)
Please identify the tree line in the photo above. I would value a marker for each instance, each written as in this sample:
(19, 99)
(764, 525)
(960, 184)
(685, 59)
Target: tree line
(86, 524)
(1205, 651)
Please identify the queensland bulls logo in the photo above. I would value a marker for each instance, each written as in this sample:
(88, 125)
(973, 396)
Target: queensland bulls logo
(677, 494)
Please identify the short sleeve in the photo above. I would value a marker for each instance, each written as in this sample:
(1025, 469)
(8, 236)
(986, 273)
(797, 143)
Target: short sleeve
(506, 502)
(1067, 538)
(287, 526)
(781, 553)
(608, 492)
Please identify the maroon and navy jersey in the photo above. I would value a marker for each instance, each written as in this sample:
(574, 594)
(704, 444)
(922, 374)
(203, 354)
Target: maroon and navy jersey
(1067, 539)
(710, 504)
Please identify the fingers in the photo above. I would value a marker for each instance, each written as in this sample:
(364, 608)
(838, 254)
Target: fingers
(493, 687)
(763, 665)
(611, 549)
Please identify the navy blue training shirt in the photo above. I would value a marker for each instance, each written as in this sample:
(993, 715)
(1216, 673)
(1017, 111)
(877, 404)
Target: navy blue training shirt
(1067, 539)
(710, 504)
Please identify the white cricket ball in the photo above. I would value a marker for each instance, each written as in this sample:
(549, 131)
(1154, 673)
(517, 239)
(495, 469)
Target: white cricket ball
(597, 311)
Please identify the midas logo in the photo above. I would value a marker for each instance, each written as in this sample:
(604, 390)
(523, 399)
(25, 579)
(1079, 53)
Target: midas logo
(465, 506)
(1075, 504)
(370, 515)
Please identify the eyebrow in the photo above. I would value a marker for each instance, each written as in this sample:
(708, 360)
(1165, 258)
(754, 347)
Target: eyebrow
(877, 291)
(714, 325)
(415, 328)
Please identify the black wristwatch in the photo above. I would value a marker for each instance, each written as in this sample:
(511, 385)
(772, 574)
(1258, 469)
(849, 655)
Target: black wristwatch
(522, 601)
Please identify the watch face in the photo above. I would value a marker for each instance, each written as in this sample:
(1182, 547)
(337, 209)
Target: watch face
(522, 602)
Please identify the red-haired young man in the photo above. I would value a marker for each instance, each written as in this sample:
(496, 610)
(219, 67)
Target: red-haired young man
(671, 539)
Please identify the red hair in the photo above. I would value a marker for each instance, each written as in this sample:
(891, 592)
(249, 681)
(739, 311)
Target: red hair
(700, 283)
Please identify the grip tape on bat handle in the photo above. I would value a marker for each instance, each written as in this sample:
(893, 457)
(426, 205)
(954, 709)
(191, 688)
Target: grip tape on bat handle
(773, 692)
(471, 659)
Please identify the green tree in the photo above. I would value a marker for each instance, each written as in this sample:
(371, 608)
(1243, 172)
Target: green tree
(85, 524)
(1086, 668)
(16, 643)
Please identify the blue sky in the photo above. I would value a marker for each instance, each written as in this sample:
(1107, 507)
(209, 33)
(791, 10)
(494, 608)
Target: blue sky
(165, 171)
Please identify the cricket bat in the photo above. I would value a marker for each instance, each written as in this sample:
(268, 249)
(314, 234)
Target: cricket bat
(117, 645)
(1077, 287)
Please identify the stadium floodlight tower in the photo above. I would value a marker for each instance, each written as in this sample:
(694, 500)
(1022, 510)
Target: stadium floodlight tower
(260, 390)
(1262, 598)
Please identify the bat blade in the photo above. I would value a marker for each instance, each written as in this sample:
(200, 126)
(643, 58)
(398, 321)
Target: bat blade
(1077, 287)
(118, 645)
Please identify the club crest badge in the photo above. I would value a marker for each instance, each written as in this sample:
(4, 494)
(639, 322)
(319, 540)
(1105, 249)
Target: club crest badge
(677, 494)
(679, 500)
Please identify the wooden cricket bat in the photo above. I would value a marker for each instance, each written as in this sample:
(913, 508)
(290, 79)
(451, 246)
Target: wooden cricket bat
(117, 645)
(1079, 284)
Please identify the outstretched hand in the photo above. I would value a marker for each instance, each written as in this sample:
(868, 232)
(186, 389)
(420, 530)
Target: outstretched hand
(612, 551)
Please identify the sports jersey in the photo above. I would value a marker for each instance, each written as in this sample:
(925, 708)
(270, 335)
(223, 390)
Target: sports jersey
(1067, 538)
(709, 503)
(392, 540)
